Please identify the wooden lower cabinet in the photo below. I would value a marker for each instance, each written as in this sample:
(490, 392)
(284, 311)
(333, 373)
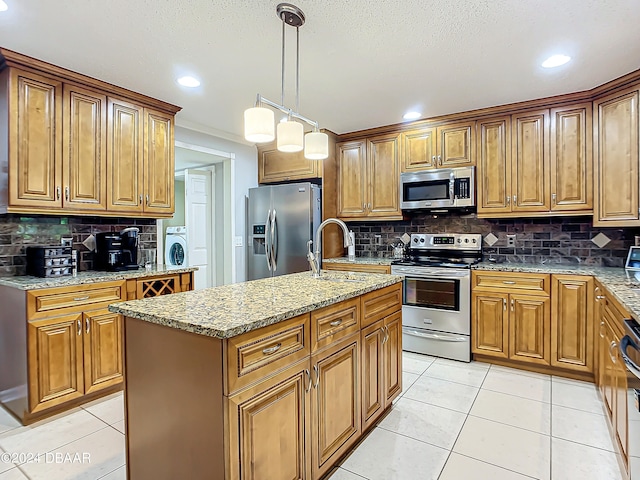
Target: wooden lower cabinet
(490, 324)
(393, 357)
(102, 350)
(529, 322)
(572, 322)
(55, 361)
(73, 355)
(335, 403)
(273, 410)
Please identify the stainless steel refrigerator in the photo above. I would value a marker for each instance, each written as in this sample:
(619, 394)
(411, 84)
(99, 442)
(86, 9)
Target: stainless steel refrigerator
(281, 220)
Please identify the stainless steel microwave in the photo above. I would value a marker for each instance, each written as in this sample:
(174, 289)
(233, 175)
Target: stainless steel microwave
(441, 188)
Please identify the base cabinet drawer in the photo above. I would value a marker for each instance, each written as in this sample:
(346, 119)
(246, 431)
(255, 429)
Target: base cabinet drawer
(510, 281)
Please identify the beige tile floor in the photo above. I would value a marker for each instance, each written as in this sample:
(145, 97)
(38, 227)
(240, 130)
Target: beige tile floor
(454, 421)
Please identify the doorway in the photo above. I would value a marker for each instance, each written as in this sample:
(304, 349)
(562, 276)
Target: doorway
(204, 193)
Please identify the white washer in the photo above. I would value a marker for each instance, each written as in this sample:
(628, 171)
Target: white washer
(175, 248)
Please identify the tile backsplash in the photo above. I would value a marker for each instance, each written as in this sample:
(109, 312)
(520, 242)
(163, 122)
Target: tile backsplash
(20, 231)
(538, 240)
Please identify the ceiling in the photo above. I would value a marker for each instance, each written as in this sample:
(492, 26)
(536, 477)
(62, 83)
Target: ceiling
(363, 63)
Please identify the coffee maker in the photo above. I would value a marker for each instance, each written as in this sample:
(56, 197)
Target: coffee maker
(117, 251)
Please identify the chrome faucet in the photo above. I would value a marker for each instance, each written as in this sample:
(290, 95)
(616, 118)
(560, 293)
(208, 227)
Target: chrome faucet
(314, 259)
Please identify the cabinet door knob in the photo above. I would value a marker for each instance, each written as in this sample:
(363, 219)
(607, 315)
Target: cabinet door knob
(87, 325)
(308, 374)
(140, 199)
(508, 200)
(147, 199)
(602, 329)
(512, 305)
(66, 193)
(58, 193)
(79, 326)
(317, 372)
(515, 199)
(440, 159)
(553, 197)
(504, 304)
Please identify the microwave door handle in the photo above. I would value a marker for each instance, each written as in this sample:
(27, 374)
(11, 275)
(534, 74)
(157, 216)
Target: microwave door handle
(625, 343)
(452, 182)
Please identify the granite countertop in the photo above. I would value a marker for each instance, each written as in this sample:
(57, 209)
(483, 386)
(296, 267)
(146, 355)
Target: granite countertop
(618, 281)
(229, 310)
(361, 260)
(28, 282)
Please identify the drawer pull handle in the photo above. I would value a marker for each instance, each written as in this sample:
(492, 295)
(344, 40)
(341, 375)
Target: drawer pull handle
(79, 326)
(80, 299)
(335, 323)
(272, 350)
(599, 297)
(508, 282)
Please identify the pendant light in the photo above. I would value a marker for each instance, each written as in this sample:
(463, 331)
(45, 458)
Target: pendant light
(289, 134)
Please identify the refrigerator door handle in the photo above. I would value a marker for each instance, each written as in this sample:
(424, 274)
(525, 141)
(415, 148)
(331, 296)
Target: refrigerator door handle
(274, 241)
(267, 246)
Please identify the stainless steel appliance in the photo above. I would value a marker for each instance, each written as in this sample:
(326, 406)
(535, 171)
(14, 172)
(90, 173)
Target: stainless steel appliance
(630, 352)
(281, 221)
(441, 188)
(436, 301)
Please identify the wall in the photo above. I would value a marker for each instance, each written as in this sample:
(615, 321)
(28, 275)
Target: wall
(538, 240)
(178, 217)
(19, 231)
(245, 177)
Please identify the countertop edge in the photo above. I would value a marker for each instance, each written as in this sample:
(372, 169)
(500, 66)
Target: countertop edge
(263, 322)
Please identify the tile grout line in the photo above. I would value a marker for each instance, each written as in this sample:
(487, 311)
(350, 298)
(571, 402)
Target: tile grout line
(347, 470)
(463, 424)
(494, 465)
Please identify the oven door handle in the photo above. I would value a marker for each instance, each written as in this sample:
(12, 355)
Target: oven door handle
(435, 336)
(625, 343)
(440, 274)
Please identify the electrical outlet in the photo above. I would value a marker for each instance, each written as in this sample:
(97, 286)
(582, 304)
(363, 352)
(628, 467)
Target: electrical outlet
(511, 240)
(237, 240)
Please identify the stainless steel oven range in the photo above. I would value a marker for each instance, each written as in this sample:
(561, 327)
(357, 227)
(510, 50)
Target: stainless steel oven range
(436, 304)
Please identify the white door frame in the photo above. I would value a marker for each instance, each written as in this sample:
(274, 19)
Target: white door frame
(228, 222)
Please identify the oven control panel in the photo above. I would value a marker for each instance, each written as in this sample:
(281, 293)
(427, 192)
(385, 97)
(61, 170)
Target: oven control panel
(446, 241)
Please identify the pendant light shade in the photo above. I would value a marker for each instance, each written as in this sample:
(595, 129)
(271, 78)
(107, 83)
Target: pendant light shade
(316, 146)
(259, 125)
(290, 136)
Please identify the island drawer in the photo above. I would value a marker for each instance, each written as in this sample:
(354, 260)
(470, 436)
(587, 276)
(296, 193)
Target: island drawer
(258, 354)
(332, 323)
(381, 303)
(529, 282)
(63, 300)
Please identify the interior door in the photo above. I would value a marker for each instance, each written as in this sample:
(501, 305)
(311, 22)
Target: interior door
(198, 220)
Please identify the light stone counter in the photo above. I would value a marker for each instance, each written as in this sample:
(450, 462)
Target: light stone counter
(28, 282)
(618, 281)
(230, 310)
(361, 260)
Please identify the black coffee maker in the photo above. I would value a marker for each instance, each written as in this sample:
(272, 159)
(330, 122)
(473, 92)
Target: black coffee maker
(117, 251)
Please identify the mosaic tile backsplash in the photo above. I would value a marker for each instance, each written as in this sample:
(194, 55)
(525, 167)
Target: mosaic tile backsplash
(566, 240)
(19, 231)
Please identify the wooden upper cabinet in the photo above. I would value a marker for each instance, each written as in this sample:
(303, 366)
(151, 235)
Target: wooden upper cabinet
(494, 166)
(276, 166)
(383, 170)
(35, 137)
(616, 146)
(368, 179)
(159, 171)
(85, 149)
(530, 160)
(456, 142)
(572, 322)
(125, 156)
(571, 158)
(352, 179)
(418, 149)
(446, 146)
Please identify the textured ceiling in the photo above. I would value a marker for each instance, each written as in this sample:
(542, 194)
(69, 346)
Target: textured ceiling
(363, 62)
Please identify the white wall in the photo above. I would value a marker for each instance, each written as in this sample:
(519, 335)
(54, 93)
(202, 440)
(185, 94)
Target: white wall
(246, 176)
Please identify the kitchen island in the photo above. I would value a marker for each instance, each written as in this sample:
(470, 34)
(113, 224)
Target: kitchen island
(274, 378)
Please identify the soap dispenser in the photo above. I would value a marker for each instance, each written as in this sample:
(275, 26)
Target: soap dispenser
(351, 249)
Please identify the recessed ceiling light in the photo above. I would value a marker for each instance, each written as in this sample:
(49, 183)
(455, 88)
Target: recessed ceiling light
(555, 61)
(411, 115)
(3, 6)
(187, 81)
